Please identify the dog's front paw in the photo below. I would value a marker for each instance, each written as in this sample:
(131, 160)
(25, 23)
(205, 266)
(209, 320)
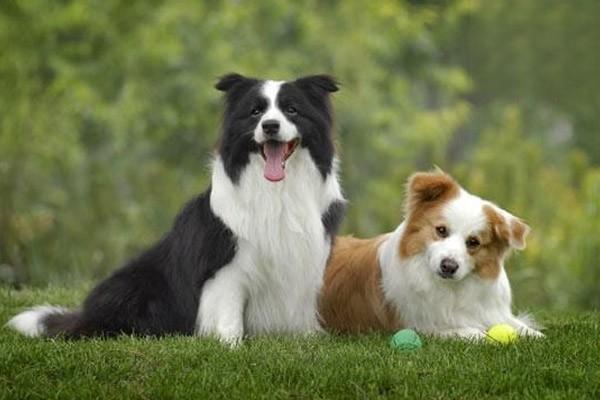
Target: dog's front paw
(471, 334)
(233, 342)
(531, 333)
(231, 334)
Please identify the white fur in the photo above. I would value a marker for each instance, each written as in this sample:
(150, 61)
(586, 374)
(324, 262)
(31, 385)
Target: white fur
(29, 322)
(273, 281)
(287, 130)
(463, 217)
(463, 307)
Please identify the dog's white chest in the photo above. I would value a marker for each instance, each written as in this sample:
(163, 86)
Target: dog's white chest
(282, 247)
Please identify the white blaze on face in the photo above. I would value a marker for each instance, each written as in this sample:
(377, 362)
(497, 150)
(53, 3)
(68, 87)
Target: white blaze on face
(278, 147)
(287, 130)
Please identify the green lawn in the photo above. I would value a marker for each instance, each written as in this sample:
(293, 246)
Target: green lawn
(564, 365)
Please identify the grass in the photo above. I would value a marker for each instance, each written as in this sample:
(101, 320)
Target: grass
(564, 365)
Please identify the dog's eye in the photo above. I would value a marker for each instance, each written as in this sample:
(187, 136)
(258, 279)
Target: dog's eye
(442, 231)
(472, 242)
(256, 111)
(291, 110)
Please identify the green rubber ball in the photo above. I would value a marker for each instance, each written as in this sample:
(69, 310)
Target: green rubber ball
(406, 340)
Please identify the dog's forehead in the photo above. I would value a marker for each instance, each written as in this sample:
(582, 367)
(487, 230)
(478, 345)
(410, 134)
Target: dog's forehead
(243, 96)
(291, 91)
(270, 90)
(465, 213)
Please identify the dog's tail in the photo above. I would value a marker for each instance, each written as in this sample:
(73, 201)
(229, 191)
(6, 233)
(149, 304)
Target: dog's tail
(47, 321)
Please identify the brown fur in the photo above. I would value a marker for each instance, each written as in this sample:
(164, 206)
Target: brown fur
(494, 245)
(519, 231)
(496, 242)
(352, 298)
(427, 192)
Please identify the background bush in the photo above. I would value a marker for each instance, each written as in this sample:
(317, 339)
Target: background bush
(108, 118)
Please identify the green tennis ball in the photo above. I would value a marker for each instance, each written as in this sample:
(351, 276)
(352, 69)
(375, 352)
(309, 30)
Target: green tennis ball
(502, 334)
(406, 340)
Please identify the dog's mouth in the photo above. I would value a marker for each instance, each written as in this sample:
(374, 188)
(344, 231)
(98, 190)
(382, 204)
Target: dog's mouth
(275, 155)
(446, 276)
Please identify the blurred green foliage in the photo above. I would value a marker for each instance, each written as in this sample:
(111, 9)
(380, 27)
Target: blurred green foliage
(108, 119)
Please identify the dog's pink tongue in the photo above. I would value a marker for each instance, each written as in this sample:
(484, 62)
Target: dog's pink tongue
(274, 155)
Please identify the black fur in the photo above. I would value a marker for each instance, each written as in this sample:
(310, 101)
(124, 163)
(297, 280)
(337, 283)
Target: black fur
(333, 217)
(158, 292)
(308, 95)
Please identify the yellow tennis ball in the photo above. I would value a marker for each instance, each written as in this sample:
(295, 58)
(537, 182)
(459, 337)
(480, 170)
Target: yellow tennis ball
(502, 334)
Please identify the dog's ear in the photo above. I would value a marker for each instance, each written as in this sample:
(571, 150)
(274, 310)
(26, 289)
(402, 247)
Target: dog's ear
(429, 188)
(519, 231)
(506, 227)
(231, 80)
(318, 83)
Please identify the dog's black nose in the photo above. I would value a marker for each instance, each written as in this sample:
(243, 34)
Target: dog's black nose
(448, 266)
(270, 127)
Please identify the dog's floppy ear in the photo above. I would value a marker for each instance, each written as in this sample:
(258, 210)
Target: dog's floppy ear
(518, 233)
(429, 188)
(229, 81)
(508, 228)
(321, 83)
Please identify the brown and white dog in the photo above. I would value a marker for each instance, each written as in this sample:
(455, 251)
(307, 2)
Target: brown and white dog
(440, 272)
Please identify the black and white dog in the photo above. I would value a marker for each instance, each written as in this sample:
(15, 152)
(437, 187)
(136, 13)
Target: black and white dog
(245, 257)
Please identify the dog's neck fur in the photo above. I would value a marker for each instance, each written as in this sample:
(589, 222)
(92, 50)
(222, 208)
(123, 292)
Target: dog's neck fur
(251, 203)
